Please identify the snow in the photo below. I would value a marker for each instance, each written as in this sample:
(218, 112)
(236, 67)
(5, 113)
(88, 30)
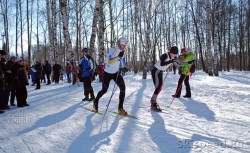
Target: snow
(216, 118)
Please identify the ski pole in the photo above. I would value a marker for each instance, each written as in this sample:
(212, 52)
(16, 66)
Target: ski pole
(179, 87)
(159, 90)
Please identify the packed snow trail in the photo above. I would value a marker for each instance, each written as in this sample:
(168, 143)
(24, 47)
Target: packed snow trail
(215, 119)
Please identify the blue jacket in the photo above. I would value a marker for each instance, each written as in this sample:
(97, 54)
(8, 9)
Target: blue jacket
(86, 65)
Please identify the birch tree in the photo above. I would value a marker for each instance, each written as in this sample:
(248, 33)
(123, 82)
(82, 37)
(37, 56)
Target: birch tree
(215, 42)
(101, 33)
(148, 42)
(54, 30)
(69, 49)
(94, 27)
(208, 40)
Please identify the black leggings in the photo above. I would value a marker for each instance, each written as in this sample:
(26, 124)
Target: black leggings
(107, 77)
(88, 87)
(157, 79)
(186, 82)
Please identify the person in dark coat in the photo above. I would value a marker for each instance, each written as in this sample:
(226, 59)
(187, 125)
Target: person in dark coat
(86, 66)
(56, 72)
(2, 82)
(43, 74)
(20, 81)
(4, 103)
(48, 71)
(38, 74)
(10, 87)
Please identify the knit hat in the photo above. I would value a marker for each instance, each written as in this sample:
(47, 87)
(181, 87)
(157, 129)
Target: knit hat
(186, 49)
(174, 50)
(19, 59)
(122, 41)
(12, 57)
(85, 50)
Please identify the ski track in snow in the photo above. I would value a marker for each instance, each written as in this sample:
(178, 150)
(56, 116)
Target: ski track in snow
(216, 118)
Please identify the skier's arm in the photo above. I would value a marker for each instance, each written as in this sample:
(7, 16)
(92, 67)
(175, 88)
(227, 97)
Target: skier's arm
(183, 63)
(163, 58)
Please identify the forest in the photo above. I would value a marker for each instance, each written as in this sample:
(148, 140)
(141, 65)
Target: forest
(218, 31)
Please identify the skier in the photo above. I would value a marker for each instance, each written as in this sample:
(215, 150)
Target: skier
(87, 68)
(111, 72)
(185, 72)
(157, 72)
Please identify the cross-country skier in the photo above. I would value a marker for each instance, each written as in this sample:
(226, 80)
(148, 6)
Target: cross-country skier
(114, 59)
(157, 72)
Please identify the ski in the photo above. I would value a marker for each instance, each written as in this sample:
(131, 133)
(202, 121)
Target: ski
(93, 111)
(130, 116)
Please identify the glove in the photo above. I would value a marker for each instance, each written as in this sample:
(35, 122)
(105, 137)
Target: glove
(121, 54)
(191, 62)
(91, 72)
(169, 62)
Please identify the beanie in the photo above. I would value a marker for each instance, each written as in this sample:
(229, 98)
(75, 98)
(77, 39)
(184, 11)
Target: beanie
(19, 59)
(174, 50)
(85, 50)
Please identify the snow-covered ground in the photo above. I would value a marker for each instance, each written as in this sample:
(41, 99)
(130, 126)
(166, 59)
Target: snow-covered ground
(215, 119)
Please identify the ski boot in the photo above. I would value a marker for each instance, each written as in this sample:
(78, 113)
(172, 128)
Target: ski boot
(85, 99)
(92, 98)
(95, 106)
(155, 107)
(121, 111)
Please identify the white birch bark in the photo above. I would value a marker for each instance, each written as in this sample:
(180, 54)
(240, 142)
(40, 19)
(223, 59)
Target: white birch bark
(69, 49)
(216, 44)
(94, 27)
(50, 32)
(208, 40)
(148, 41)
(54, 29)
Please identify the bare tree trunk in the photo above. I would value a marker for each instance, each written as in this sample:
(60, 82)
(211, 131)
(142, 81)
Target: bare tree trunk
(29, 32)
(77, 27)
(216, 51)
(37, 27)
(21, 24)
(248, 34)
(63, 4)
(148, 41)
(94, 27)
(198, 35)
(135, 37)
(50, 32)
(229, 36)
(54, 29)
(112, 24)
(208, 40)
(101, 33)
(17, 11)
